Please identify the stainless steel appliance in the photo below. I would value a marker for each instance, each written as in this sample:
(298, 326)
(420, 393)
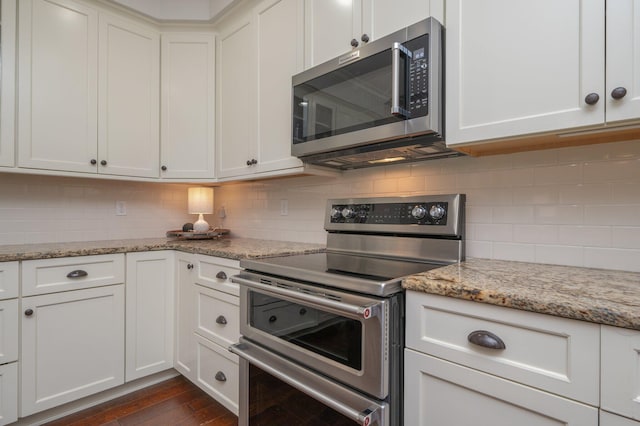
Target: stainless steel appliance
(377, 104)
(323, 334)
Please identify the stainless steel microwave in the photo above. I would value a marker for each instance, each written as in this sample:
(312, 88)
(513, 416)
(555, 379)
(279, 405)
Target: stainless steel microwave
(379, 104)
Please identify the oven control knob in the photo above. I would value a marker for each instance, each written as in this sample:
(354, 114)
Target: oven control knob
(418, 212)
(437, 212)
(336, 213)
(348, 213)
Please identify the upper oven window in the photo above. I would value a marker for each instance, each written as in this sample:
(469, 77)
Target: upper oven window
(329, 335)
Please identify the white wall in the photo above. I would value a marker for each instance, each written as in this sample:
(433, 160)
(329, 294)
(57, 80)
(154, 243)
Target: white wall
(573, 206)
(42, 209)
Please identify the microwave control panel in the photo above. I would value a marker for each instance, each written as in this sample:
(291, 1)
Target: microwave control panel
(430, 213)
(418, 84)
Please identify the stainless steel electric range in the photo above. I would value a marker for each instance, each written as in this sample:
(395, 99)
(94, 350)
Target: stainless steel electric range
(323, 334)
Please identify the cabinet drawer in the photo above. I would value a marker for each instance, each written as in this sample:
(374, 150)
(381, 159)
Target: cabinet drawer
(8, 331)
(218, 373)
(438, 392)
(216, 273)
(608, 419)
(71, 273)
(550, 353)
(8, 280)
(8, 393)
(620, 372)
(217, 316)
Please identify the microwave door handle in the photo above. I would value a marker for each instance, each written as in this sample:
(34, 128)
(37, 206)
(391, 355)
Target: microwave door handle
(366, 312)
(364, 417)
(397, 80)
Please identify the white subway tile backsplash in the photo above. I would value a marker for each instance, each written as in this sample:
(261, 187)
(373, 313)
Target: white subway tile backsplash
(573, 206)
(593, 236)
(513, 251)
(612, 258)
(538, 234)
(560, 255)
(565, 173)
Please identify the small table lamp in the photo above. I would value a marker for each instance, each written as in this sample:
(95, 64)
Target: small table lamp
(200, 202)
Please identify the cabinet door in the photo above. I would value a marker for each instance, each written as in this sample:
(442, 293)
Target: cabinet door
(72, 346)
(236, 141)
(218, 373)
(330, 26)
(515, 68)
(280, 55)
(389, 16)
(149, 313)
(438, 392)
(188, 97)
(129, 93)
(8, 84)
(620, 371)
(607, 419)
(185, 344)
(58, 88)
(8, 331)
(8, 393)
(623, 59)
(218, 316)
(9, 281)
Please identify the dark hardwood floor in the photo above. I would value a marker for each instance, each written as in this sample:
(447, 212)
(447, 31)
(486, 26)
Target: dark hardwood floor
(175, 402)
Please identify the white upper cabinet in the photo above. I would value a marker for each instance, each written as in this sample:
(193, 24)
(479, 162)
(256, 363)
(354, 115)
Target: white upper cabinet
(129, 107)
(58, 86)
(259, 50)
(280, 56)
(513, 69)
(623, 60)
(519, 67)
(333, 27)
(7, 85)
(236, 141)
(187, 105)
(88, 90)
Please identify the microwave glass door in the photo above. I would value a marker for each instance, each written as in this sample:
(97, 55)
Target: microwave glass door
(332, 336)
(354, 97)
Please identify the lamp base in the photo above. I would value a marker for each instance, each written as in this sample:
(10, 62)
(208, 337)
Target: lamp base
(201, 225)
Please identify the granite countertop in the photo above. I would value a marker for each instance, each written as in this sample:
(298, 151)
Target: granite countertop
(596, 295)
(228, 247)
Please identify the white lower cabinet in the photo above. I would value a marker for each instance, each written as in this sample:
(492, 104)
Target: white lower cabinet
(608, 419)
(438, 392)
(469, 364)
(620, 374)
(8, 393)
(149, 313)
(185, 346)
(72, 346)
(218, 373)
(207, 323)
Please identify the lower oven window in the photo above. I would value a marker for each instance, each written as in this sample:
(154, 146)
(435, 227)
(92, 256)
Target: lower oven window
(274, 402)
(327, 334)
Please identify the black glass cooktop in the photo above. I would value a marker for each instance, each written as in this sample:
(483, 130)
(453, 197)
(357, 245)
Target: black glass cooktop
(363, 274)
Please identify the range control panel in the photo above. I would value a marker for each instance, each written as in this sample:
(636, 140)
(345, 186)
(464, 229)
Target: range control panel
(404, 213)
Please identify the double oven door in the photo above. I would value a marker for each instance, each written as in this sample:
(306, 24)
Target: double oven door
(353, 341)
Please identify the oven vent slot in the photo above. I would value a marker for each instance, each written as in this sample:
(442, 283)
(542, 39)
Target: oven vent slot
(265, 281)
(281, 285)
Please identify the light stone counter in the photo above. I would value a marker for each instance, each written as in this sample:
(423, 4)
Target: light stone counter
(595, 295)
(228, 247)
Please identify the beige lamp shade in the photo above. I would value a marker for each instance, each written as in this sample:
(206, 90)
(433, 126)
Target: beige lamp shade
(200, 200)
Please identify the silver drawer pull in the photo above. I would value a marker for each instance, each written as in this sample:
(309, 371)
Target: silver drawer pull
(486, 339)
(221, 275)
(78, 273)
(221, 320)
(221, 377)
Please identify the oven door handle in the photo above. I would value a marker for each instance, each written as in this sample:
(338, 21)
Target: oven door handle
(366, 312)
(369, 416)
